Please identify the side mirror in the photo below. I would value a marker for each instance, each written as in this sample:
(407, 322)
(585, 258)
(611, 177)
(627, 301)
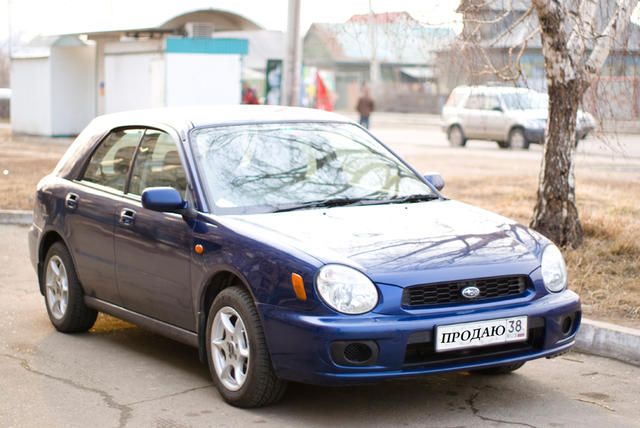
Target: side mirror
(435, 179)
(163, 199)
(498, 109)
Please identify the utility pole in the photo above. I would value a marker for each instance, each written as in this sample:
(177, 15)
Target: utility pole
(374, 67)
(292, 66)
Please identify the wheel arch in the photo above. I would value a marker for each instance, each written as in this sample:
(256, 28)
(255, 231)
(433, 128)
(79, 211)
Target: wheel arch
(223, 277)
(49, 238)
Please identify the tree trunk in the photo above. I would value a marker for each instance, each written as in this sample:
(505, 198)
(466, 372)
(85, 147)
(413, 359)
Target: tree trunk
(555, 214)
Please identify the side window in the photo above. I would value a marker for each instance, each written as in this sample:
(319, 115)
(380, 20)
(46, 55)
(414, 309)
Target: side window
(109, 164)
(493, 102)
(157, 164)
(475, 102)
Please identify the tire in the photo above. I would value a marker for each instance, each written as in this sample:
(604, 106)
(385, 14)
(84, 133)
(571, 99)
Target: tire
(500, 370)
(517, 140)
(503, 144)
(65, 307)
(256, 384)
(456, 136)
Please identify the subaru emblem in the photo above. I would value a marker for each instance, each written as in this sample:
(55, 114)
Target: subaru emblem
(471, 292)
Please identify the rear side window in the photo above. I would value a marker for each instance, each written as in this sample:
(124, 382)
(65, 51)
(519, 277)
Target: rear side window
(454, 99)
(157, 164)
(475, 101)
(109, 164)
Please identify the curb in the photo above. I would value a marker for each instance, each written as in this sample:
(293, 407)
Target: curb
(609, 340)
(16, 217)
(595, 337)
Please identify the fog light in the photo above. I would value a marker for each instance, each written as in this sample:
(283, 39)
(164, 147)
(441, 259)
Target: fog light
(357, 353)
(567, 323)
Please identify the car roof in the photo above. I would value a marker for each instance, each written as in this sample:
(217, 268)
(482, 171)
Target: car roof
(181, 118)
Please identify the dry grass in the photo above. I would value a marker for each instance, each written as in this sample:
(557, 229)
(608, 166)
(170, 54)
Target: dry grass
(605, 270)
(23, 162)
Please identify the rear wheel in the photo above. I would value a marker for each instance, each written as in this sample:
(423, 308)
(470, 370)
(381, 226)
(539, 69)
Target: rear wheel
(517, 139)
(500, 370)
(456, 137)
(237, 352)
(63, 294)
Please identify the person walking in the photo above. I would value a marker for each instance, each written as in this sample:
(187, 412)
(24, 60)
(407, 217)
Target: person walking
(365, 107)
(249, 94)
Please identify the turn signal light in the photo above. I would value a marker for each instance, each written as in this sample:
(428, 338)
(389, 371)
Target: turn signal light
(298, 286)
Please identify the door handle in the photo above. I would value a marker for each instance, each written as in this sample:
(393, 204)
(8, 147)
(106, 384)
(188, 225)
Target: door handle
(71, 201)
(127, 216)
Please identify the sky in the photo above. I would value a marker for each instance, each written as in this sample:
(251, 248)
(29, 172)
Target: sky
(71, 16)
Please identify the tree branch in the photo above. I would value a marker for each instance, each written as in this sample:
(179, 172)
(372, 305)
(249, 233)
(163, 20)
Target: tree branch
(584, 22)
(604, 42)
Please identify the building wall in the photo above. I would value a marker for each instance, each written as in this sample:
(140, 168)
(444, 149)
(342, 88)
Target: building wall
(130, 81)
(73, 100)
(202, 79)
(31, 96)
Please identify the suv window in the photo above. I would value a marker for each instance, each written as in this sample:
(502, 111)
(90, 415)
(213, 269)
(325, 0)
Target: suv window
(157, 164)
(109, 164)
(475, 101)
(492, 102)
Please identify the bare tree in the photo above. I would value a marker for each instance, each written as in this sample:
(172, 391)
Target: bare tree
(576, 37)
(574, 51)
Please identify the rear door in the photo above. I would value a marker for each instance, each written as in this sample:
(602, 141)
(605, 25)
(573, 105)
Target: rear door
(495, 119)
(153, 249)
(90, 205)
(473, 116)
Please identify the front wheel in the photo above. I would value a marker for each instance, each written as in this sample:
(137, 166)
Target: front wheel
(517, 139)
(237, 352)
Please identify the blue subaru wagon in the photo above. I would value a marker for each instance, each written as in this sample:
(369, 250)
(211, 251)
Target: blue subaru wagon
(289, 244)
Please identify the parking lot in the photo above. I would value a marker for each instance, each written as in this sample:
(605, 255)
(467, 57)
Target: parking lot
(119, 375)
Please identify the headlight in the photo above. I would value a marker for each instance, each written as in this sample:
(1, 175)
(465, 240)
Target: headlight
(554, 271)
(346, 290)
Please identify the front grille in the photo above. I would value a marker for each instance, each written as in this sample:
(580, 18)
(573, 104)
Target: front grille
(451, 292)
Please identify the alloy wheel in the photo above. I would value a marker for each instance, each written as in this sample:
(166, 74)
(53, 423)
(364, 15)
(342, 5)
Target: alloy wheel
(230, 348)
(57, 286)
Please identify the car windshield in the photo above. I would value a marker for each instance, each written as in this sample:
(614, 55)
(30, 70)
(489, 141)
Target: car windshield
(277, 166)
(529, 100)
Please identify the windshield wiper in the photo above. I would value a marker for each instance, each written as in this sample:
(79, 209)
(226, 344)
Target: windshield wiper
(338, 202)
(329, 202)
(414, 198)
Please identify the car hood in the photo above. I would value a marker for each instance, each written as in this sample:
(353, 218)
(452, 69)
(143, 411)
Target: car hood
(403, 244)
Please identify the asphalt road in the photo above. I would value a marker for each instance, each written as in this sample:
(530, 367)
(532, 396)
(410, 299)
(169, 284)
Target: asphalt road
(120, 375)
(610, 145)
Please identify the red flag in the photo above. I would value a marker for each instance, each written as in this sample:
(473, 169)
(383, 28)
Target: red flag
(323, 100)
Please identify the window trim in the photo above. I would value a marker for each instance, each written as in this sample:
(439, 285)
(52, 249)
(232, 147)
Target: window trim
(125, 193)
(80, 177)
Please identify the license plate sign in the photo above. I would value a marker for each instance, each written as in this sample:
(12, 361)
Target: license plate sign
(481, 333)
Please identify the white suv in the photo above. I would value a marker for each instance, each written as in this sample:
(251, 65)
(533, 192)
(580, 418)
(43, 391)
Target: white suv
(513, 117)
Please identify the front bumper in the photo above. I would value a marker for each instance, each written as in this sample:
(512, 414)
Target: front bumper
(534, 135)
(300, 345)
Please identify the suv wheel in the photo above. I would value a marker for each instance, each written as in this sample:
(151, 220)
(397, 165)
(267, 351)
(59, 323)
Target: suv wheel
(517, 139)
(63, 294)
(456, 137)
(237, 352)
